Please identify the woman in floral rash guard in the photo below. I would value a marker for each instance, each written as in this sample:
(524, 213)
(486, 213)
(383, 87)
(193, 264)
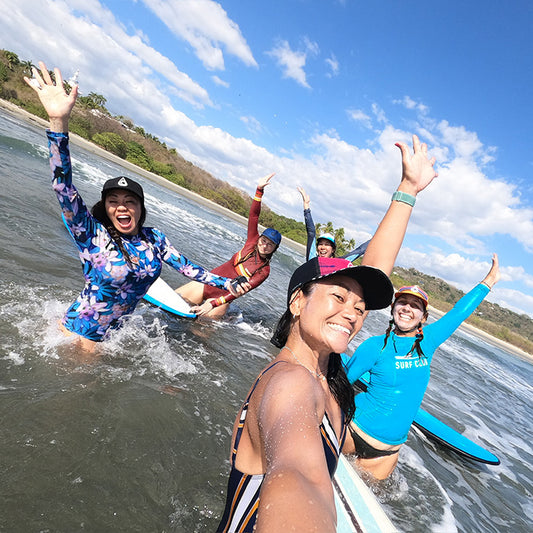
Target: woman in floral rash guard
(120, 257)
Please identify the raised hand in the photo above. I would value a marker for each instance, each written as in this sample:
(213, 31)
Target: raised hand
(417, 169)
(263, 182)
(57, 103)
(305, 197)
(494, 273)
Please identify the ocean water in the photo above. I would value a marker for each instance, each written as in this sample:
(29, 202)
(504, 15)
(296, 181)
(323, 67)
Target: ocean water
(139, 440)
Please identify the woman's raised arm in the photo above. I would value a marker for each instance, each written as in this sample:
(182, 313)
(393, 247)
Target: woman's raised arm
(297, 493)
(57, 103)
(417, 174)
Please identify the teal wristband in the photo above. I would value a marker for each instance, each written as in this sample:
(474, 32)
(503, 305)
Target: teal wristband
(404, 197)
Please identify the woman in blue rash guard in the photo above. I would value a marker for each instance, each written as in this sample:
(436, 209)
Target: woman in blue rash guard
(399, 367)
(121, 258)
(325, 245)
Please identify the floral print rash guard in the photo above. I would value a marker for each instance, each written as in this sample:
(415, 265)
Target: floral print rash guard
(112, 288)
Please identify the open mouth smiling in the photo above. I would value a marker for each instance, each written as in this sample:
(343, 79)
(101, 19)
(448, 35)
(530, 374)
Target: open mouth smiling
(341, 329)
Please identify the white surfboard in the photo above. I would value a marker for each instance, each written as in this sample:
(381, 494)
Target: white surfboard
(164, 296)
(358, 509)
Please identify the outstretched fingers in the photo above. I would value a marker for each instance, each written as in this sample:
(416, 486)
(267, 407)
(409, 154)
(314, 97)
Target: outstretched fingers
(417, 167)
(263, 182)
(305, 196)
(416, 144)
(494, 274)
(45, 74)
(57, 103)
(58, 77)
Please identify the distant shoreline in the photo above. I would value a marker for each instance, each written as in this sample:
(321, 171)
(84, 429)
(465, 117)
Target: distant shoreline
(436, 313)
(297, 247)
(95, 149)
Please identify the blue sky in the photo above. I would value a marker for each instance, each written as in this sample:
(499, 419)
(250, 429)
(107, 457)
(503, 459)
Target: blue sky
(319, 91)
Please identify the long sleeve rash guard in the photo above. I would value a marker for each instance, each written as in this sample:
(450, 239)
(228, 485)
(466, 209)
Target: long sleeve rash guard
(398, 381)
(246, 262)
(112, 288)
(311, 251)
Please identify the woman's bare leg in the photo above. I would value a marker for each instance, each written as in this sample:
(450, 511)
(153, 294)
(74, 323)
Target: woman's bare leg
(218, 312)
(379, 467)
(86, 351)
(193, 292)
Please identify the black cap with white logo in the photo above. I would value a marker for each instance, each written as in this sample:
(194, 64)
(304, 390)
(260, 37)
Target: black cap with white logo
(125, 184)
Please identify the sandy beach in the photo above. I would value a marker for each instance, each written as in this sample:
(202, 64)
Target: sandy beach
(297, 247)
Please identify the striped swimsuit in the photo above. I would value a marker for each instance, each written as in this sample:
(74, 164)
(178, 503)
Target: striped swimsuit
(243, 492)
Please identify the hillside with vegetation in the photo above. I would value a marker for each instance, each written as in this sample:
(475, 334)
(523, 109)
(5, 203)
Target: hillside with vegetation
(119, 135)
(495, 320)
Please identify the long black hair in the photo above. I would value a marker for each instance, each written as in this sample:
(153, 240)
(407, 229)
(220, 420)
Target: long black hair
(99, 212)
(338, 382)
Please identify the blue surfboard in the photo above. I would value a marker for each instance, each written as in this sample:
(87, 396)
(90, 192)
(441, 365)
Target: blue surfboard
(445, 435)
(440, 432)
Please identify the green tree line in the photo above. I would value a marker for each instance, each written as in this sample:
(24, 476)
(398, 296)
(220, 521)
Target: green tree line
(119, 135)
(495, 320)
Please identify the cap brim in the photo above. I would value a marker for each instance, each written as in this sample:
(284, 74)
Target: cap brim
(377, 287)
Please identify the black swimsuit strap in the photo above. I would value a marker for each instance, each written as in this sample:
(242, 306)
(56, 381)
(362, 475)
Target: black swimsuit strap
(244, 411)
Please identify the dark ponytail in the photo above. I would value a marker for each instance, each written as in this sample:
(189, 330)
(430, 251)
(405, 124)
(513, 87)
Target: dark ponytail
(340, 386)
(281, 334)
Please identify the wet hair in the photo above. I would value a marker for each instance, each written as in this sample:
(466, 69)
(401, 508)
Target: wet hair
(99, 212)
(336, 377)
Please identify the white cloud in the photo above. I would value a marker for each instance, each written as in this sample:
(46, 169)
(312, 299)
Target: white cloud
(409, 103)
(360, 116)
(252, 124)
(292, 62)
(379, 113)
(220, 82)
(206, 27)
(333, 66)
(110, 61)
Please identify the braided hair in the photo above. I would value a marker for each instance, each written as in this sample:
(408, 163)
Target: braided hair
(387, 333)
(416, 345)
(418, 338)
(336, 377)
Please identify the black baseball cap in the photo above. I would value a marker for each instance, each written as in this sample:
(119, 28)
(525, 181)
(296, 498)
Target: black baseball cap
(377, 287)
(125, 184)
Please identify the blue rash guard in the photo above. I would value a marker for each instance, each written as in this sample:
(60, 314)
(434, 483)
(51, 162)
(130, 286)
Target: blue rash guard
(112, 288)
(398, 381)
(311, 250)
